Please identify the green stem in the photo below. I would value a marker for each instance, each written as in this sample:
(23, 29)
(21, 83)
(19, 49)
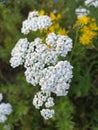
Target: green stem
(74, 46)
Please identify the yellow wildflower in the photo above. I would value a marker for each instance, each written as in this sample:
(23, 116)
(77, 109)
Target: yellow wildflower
(87, 36)
(56, 25)
(88, 29)
(83, 20)
(84, 29)
(62, 31)
(53, 17)
(53, 28)
(58, 16)
(93, 26)
(42, 12)
(85, 40)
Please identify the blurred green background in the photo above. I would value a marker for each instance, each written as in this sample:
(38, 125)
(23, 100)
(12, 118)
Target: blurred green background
(78, 110)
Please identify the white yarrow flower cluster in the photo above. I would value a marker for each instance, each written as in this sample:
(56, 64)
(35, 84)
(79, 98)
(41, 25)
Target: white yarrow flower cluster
(35, 22)
(61, 44)
(18, 53)
(41, 61)
(47, 113)
(56, 78)
(40, 98)
(49, 103)
(91, 3)
(1, 97)
(43, 98)
(39, 55)
(81, 12)
(5, 109)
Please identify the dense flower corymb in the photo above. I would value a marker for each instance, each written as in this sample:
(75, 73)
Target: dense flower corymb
(56, 78)
(5, 109)
(81, 12)
(35, 22)
(55, 27)
(47, 113)
(41, 61)
(91, 3)
(1, 97)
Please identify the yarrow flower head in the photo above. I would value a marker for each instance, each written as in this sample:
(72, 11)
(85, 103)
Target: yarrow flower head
(41, 61)
(47, 113)
(18, 53)
(40, 98)
(55, 27)
(91, 3)
(35, 22)
(56, 78)
(1, 97)
(81, 12)
(5, 109)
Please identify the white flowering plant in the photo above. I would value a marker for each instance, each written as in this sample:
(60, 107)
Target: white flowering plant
(42, 63)
(53, 85)
(5, 110)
